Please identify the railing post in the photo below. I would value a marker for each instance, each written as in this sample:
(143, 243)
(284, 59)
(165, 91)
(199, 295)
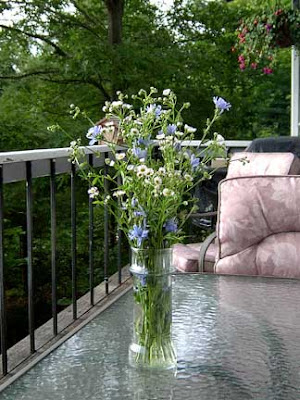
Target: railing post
(29, 254)
(73, 244)
(53, 244)
(3, 330)
(106, 240)
(119, 242)
(295, 85)
(91, 241)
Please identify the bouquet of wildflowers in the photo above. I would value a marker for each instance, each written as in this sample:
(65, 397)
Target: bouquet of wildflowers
(155, 169)
(151, 176)
(260, 37)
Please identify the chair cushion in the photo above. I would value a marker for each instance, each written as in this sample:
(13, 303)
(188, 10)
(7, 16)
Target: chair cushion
(263, 164)
(211, 251)
(186, 257)
(259, 226)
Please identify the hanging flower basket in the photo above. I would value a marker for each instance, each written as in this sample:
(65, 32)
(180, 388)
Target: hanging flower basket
(260, 37)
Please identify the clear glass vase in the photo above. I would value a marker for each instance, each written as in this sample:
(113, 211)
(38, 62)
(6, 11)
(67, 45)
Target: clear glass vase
(152, 345)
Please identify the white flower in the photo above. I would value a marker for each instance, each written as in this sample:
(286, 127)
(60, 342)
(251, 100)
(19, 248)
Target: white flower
(178, 133)
(160, 136)
(166, 92)
(93, 192)
(161, 170)
(142, 169)
(220, 139)
(188, 177)
(168, 192)
(109, 162)
(107, 198)
(149, 172)
(104, 109)
(119, 193)
(130, 167)
(169, 138)
(185, 203)
(134, 131)
(147, 182)
(115, 104)
(73, 143)
(120, 156)
(189, 129)
(127, 106)
(157, 181)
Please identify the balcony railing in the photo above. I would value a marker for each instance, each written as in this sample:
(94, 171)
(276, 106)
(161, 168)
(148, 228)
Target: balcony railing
(27, 166)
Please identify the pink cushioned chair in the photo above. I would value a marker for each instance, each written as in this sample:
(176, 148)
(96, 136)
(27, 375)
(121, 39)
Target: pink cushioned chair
(258, 228)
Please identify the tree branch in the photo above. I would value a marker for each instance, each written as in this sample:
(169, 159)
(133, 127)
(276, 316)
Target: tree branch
(37, 36)
(27, 74)
(83, 12)
(89, 81)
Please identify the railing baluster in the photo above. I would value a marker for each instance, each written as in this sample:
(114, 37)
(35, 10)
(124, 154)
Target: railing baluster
(53, 244)
(119, 243)
(106, 241)
(91, 241)
(3, 330)
(29, 254)
(73, 244)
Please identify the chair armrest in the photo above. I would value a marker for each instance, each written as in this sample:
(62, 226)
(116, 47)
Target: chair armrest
(204, 214)
(205, 245)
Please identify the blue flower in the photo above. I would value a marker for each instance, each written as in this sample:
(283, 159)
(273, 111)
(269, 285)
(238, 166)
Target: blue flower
(177, 146)
(94, 134)
(140, 213)
(171, 225)
(194, 162)
(139, 153)
(138, 233)
(145, 141)
(134, 202)
(142, 278)
(171, 129)
(154, 108)
(221, 104)
(158, 111)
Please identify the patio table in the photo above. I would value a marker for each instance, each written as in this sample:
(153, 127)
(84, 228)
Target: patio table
(236, 338)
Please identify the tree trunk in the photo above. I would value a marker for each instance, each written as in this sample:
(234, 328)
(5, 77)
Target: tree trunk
(115, 16)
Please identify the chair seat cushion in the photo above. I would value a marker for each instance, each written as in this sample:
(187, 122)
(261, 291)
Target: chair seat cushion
(186, 257)
(210, 253)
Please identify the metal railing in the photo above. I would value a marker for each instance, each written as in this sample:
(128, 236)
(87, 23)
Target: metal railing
(26, 166)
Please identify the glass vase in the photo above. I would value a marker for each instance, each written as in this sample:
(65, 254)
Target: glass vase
(152, 345)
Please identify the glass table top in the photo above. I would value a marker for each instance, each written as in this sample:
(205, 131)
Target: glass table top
(237, 338)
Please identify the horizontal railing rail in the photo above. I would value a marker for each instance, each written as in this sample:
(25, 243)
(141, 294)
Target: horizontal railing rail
(27, 166)
(14, 162)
